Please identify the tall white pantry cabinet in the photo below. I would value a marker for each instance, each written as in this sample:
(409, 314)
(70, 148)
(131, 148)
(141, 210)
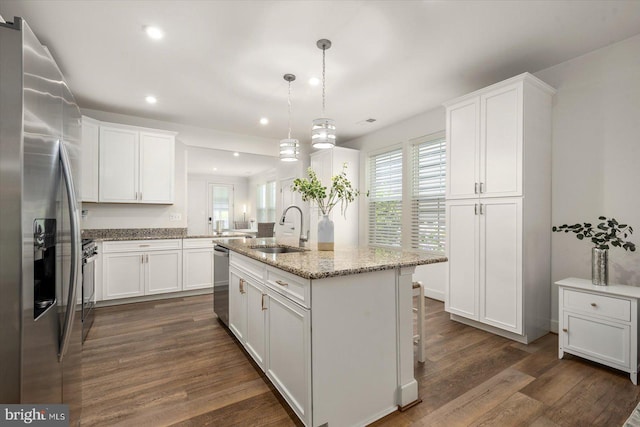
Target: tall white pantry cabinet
(498, 208)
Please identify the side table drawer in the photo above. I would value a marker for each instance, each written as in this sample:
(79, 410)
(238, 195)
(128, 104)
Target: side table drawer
(601, 305)
(604, 341)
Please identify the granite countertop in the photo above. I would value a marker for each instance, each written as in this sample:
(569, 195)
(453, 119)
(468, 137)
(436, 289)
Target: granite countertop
(314, 264)
(116, 234)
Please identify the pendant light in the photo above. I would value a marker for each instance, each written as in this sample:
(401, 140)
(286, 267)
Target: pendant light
(323, 130)
(289, 148)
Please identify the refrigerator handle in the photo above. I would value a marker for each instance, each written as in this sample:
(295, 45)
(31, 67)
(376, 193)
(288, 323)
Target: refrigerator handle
(75, 239)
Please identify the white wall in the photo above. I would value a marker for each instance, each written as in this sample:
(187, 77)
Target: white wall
(198, 197)
(596, 156)
(433, 276)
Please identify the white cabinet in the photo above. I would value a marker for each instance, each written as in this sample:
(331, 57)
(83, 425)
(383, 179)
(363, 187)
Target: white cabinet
(498, 207)
(90, 159)
(599, 323)
(136, 165)
(484, 240)
(237, 304)
(255, 338)
(138, 267)
(327, 163)
(288, 337)
(197, 264)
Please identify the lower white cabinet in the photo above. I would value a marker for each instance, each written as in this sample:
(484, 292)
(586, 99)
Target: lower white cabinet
(255, 339)
(197, 264)
(237, 304)
(599, 323)
(139, 267)
(288, 338)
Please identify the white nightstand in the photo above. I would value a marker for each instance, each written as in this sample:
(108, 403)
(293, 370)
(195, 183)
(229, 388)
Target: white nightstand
(599, 323)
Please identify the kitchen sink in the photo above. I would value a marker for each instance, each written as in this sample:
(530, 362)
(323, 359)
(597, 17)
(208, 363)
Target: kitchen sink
(277, 249)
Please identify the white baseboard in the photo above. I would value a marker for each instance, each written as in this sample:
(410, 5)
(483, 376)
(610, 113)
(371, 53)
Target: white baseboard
(434, 294)
(107, 303)
(554, 326)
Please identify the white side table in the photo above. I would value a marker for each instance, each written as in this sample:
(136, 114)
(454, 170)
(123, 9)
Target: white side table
(599, 323)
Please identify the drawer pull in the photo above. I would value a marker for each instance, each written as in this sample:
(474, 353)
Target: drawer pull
(241, 287)
(565, 330)
(143, 246)
(593, 304)
(281, 283)
(263, 306)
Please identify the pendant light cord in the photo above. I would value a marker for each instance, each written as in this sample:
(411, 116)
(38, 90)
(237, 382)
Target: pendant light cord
(324, 49)
(289, 102)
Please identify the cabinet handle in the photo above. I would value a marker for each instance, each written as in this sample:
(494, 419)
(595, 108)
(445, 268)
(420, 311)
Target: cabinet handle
(593, 304)
(475, 188)
(481, 187)
(263, 306)
(565, 330)
(141, 195)
(241, 287)
(147, 258)
(141, 259)
(143, 246)
(281, 283)
(475, 209)
(481, 210)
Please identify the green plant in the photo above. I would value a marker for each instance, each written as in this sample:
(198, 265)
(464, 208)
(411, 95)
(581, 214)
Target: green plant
(608, 232)
(312, 190)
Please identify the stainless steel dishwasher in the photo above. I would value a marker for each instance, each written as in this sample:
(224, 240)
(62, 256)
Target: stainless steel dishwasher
(221, 283)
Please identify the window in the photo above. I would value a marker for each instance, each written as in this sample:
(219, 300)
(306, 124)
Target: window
(427, 194)
(221, 205)
(266, 204)
(385, 198)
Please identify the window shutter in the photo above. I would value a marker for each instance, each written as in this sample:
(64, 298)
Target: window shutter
(385, 198)
(427, 195)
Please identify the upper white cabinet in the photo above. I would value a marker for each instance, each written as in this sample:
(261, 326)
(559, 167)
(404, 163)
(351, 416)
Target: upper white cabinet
(127, 164)
(327, 163)
(90, 159)
(499, 207)
(486, 133)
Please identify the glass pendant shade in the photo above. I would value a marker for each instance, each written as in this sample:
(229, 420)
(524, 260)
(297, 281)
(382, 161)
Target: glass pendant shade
(323, 133)
(289, 150)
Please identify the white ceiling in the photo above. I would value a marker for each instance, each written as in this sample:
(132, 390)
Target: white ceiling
(220, 64)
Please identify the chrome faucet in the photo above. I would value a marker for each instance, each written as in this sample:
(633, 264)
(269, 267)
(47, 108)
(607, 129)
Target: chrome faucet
(303, 238)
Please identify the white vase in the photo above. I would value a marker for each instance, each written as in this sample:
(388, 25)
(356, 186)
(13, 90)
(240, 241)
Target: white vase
(325, 234)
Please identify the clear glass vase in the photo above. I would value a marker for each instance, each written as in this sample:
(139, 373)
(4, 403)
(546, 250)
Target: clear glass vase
(325, 234)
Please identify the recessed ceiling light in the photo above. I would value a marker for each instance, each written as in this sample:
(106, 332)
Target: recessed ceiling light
(236, 154)
(314, 81)
(215, 169)
(151, 99)
(264, 121)
(154, 32)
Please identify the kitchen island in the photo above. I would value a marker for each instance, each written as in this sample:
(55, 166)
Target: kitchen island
(333, 331)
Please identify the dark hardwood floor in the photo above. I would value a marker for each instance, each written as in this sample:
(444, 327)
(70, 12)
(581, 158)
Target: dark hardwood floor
(170, 362)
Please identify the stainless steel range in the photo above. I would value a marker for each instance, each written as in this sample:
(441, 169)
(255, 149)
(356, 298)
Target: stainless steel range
(89, 255)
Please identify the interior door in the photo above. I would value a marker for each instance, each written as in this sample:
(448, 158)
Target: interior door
(220, 206)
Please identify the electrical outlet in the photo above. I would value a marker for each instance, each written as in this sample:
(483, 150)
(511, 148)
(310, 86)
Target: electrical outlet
(175, 217)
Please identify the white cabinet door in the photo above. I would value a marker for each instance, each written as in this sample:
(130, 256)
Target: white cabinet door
(289, 352)
(501, 263)
(90, 159)
(501, 146)
(157, 160)
(237, 305)
(118, 165)
(123, 275)
(255, 333)
(463, 145)
(197, 268)
(163, 272)
(462, 292)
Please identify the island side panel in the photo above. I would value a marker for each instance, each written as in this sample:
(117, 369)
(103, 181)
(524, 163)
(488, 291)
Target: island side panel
(354, 347)
(407, 384)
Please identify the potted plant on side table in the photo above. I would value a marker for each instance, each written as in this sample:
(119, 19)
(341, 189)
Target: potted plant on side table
(608, 233)
(312, 190)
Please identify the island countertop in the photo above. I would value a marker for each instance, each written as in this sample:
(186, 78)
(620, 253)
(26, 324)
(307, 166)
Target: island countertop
(314, 264)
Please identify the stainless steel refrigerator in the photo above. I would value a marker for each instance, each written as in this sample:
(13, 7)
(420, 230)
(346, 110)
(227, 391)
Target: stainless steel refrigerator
(40, 131)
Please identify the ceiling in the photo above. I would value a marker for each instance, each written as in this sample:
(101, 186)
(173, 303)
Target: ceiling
(221, 63)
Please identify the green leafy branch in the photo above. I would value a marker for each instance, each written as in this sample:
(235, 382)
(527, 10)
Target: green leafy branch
(608, 232)
(312, 190)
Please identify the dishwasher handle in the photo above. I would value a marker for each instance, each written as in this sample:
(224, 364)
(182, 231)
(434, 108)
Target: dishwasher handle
(221, 251)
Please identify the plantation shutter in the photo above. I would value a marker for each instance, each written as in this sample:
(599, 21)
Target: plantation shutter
(427, 195)
(385, 198)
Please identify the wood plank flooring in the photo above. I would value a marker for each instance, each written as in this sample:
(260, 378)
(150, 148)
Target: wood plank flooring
(170, 363)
